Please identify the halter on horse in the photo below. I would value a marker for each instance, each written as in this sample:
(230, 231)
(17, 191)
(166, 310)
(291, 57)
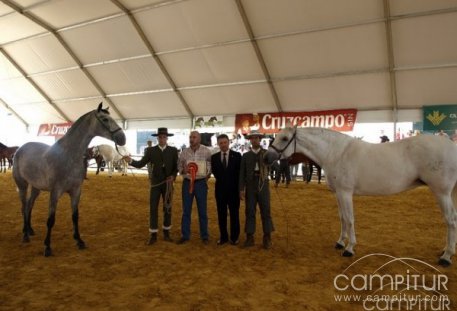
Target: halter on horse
(59, 168)
(356, 167)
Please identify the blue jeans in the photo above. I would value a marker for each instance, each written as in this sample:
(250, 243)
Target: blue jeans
(200, 193)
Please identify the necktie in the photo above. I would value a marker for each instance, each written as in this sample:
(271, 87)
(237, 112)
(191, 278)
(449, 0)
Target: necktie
(224, 160)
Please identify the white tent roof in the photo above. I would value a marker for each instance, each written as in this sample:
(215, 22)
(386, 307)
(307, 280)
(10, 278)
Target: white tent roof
(150, 59)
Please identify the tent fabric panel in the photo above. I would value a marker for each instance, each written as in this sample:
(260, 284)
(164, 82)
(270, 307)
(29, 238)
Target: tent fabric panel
(38, 113)
(150, 106)
(111, 39)
(40, 54)
(367, 91)
(66, 84)
(339, 50)
(77, 108)
(18, 91)
(415, 6)
(269, 17)
(130, 76)
(228, 100)
(7, 70)
(192, 23)
(214, 65)
(436, 44)
(417, 88)
(15, 26)
(59, 14)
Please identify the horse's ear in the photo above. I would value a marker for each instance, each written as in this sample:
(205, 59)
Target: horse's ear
(99, 107)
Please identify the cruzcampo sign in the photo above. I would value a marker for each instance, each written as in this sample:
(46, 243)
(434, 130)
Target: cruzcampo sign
(440, 118)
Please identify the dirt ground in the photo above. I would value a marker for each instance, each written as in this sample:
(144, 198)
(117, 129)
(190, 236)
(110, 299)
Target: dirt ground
(118, 271)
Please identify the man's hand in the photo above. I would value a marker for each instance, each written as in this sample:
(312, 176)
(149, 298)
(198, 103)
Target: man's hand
(127, 159)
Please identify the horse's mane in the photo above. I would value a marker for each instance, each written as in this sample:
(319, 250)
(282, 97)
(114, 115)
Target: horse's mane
(3, 146)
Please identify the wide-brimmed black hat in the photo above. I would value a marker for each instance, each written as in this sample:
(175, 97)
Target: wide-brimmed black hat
(162, 131)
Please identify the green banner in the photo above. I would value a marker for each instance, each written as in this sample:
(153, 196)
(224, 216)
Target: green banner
(440, 118)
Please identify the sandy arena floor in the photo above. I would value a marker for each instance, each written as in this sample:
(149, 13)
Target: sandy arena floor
(119, 272)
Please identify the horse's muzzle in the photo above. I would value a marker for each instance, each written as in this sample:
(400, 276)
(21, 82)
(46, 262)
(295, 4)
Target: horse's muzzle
(270, 156)
(119, 138)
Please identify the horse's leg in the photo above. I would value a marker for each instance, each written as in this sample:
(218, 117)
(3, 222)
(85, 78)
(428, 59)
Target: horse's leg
(345, 201)
(25, 213)
(31, 201)
(340, 244)
(449, 213)
(53, 197)
(75, 196)
(319, 174)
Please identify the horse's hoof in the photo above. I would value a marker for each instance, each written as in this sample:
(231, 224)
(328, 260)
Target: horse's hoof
(47, 252)
(339, 246)
(31, 231)
(444, 263)
(81, 245)
(347, 254)
(25, 239)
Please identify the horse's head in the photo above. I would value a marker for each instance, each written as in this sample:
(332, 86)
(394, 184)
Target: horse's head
(107, 127)
(283, 146)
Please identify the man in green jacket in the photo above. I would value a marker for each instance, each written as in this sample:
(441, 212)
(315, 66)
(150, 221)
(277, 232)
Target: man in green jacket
(164, 163)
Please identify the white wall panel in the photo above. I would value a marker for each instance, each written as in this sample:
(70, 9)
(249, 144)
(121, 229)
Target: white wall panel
(356, 91)
(39, 54)
(63, 13)
(108, 40)
(415, 6)
(130, 76)
(147, 106)
(18, 91)
(7, 70)
(269, 17)
(230, 99)
(77, 108)
(66, 84)
(15, 26)
(192, 23)
(418, 88)
(38, 113)
(214, 65)
(425, 40)
(348, 49)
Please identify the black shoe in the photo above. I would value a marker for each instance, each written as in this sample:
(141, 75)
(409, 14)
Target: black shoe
(205, 241)
(182, 241)
(221, 242)
(249, 241)
(152, 238)
(235, 242)
(166, 236)
(267, 241)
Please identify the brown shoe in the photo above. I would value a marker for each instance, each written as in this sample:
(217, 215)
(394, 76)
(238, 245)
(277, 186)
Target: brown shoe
(249, 241)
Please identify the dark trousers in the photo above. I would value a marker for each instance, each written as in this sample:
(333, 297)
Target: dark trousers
(155, 194)
(261, 196)
(200, 193)
(232, 204)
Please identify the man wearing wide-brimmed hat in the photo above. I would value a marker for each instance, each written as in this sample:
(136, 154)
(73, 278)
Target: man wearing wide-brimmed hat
(254, 188)
(164, 165)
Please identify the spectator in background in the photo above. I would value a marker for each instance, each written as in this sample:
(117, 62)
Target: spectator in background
(384, 139)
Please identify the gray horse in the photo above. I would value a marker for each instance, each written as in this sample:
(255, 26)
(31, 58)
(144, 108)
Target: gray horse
(60, 168)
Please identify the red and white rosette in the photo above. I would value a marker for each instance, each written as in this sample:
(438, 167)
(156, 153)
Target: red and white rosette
(192, 169)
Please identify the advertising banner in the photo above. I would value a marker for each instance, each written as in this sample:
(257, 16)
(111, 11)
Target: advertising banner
(54, 129)
(339, 120)
(443, 117)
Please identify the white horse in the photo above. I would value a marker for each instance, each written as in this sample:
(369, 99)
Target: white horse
(111, 157)
(356, 167)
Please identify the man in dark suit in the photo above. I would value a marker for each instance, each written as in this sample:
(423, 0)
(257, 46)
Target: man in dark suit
(164, 164)
(225, 166)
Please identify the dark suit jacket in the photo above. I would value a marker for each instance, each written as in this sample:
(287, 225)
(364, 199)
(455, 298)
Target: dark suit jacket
(247, 170)
(226, 179)
(165, 163)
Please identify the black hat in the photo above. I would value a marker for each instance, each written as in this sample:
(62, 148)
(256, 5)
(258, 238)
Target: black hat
(384, 138)
(162, 131)
(255, 133)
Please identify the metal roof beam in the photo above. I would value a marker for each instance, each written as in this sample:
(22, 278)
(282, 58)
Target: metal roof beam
(155, 56)
(258, 53)
(55, 33)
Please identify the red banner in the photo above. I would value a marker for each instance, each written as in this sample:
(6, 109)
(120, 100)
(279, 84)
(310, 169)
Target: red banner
(54, 129)
(268, 123)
